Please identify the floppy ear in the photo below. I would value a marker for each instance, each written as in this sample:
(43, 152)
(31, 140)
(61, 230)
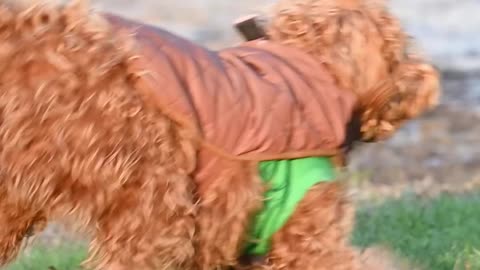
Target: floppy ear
(419, 85)
(412, 89)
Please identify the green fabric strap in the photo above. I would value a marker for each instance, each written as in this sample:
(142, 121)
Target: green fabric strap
(288, 182)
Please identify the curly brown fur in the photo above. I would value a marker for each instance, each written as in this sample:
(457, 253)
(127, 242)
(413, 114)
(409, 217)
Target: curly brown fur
(366, 50)
(77, 140)
(23, 219)
(317, 234)
(228, 202)
(416, 84)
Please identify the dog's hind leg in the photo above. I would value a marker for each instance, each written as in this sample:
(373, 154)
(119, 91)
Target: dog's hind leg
(148, 230)
(229, 197)
(316, 237)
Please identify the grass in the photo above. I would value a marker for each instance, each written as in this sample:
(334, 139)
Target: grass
(43, 258)
(438, 234)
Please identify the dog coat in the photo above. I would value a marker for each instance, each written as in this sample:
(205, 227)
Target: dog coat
(256, 101)
(288, 181)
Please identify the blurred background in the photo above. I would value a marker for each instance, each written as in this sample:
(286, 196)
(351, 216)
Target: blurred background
(417, 193)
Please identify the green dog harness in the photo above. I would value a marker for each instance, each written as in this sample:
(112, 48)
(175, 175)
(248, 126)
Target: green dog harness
(288, 182)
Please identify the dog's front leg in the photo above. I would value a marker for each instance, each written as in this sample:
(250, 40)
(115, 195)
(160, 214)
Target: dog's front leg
(316, 236)
(136, 242)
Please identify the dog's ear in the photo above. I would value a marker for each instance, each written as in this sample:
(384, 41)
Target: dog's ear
(414, 88)
(419, 85)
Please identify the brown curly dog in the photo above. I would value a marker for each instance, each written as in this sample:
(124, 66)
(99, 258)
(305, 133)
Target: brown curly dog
(150, 143)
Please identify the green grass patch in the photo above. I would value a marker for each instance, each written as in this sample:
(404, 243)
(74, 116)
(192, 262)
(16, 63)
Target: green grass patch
(41, 258)
(438, 234)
